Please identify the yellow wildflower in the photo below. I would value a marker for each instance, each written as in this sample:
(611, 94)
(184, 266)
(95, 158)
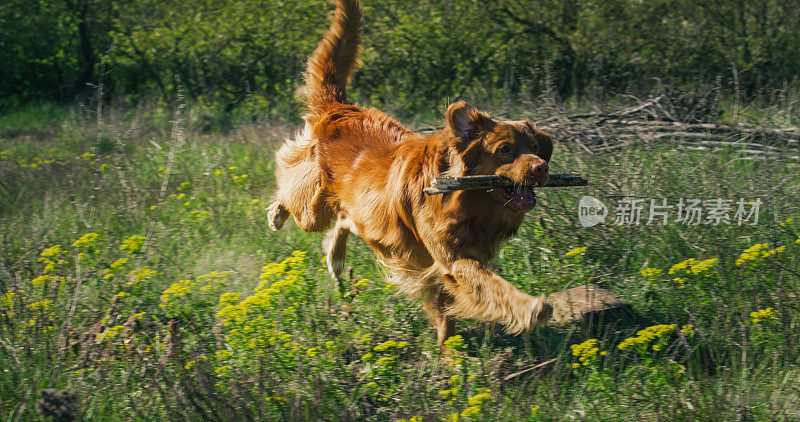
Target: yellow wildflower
(651, 272)
(767, 315)
(51, 251)
(451, 418)
(471, 411)
(386, 345)
(38, 281)
(683, 265)
(702, 266)
(116, 265)
(175, 291)
(776, 251)
(751, 254)
(587, 351)
(86, 240)
(655, 333)
(384, 361)
(478, 399)
(281, 401)
(576, 251)
(42, 305)
(361, 282)
(133, 244)
(454, 342)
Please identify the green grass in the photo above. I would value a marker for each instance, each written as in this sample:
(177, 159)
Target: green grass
(212, 317)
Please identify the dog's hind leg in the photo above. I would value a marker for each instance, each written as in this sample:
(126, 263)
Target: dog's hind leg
(335, 245)
(300, 187)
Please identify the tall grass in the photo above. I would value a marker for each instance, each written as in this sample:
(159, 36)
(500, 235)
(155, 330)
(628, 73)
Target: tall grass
(183, 305)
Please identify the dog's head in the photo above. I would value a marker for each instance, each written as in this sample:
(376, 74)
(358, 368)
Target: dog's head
(515, 149)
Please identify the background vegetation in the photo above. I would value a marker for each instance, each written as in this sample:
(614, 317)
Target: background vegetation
(139, 280)
(248, 54)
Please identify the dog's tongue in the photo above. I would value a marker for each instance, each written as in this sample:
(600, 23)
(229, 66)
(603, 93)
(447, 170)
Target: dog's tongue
(523, 197)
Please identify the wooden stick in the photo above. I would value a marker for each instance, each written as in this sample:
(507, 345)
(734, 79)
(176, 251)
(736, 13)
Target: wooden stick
(452, 184)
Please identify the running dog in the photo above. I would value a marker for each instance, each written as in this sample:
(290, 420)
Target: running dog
(363, 172)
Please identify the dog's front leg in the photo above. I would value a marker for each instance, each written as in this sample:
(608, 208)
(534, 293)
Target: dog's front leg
(435, 305)
(481, 294)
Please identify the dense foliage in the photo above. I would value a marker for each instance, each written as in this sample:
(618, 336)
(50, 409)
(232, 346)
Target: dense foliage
(249, 54)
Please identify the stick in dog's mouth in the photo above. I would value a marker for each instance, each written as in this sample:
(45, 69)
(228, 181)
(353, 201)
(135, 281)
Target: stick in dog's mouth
(451, 184)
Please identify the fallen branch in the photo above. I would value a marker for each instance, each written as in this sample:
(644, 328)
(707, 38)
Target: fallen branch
(452, 184)
(650, 121)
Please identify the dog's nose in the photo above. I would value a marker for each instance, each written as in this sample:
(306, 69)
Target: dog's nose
(539, 169)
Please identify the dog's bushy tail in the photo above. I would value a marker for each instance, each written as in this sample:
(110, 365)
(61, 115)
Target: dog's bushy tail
(332, 64)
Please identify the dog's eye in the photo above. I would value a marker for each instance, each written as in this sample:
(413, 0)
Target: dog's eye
(505, 149)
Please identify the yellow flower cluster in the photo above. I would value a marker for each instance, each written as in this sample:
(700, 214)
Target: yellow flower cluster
(109, 334)
(764, 315)
(702, 266)
(209, 283)
(385, 361)
(650, 272)
(175, 291)
(116, 265)
(576, 251)
(278, 400)
(757, 252)
(454, 343)
(251, 323)
(683, 265)
(86, 241)
(655, 333)
(389, 344)
(133, 244)
(51, 251)
(586, 352)
(141, 274)
(50, 258)
(477, 402)
(35, 162)
(42, 305)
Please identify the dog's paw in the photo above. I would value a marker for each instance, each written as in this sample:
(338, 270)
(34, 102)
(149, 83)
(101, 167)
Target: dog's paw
(335, 265)
(277, 215)
(541, 312)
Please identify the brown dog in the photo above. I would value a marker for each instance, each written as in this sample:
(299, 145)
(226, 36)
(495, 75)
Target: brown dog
(366, 171)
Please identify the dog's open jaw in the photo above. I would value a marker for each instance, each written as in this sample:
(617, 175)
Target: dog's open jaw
(520, 197)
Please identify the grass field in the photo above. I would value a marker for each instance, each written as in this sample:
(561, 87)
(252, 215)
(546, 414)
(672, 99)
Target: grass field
(139, 279)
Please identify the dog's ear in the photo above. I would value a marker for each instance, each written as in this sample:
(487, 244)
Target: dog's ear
(466, 123)
(545, 141)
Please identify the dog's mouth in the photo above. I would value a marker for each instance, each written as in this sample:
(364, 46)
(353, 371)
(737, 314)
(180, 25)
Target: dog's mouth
(520, 197)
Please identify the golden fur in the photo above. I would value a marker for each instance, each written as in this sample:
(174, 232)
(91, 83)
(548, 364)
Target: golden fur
(364, 170)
